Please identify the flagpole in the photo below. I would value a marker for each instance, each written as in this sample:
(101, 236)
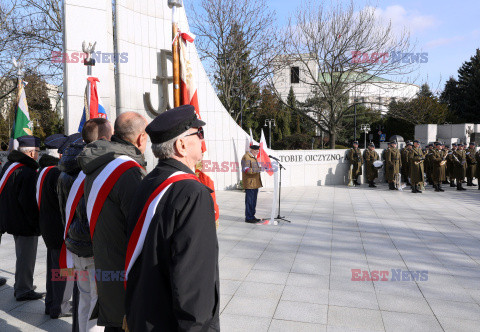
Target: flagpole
(175, 4)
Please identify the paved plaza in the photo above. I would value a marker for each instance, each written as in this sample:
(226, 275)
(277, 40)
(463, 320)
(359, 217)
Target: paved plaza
(298, 276)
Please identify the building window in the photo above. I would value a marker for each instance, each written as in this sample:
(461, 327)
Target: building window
(295, 75)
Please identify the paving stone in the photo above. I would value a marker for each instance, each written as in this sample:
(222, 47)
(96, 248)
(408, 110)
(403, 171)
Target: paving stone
(302, 312)
(278, 325)
(355, 318)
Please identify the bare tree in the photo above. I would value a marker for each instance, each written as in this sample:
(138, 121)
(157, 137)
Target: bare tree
(340, 51)
(233, 34)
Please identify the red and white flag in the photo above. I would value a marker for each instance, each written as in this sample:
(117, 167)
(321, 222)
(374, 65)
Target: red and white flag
(263, 157)
(7, 174)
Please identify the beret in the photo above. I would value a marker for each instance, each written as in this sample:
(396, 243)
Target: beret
(416, 141)
(355, 142)
(392, 142)
(28, 142)
(172, 123)
(254, 147)
(371, 144)
(437, 143)
(72, 139)
(472, 143)
(55, 141)
(409, 143)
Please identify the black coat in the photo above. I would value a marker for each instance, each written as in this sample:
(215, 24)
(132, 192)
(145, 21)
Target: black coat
(78, 238)
(174, 283)
(50, 218)
(110, 236)
(18, 202)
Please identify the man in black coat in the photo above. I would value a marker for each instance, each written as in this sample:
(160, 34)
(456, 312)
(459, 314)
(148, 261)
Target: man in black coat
(59, 291)
(19, 215)
(173, 284)
(110, 234)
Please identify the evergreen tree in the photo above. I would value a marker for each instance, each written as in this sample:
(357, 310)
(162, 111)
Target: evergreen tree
(425, 91)
(469, 86)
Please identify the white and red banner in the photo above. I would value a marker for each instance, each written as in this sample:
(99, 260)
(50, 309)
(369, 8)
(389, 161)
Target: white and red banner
(93, 107)
(41, 178)
(7, 174)
(74, 196)
(263, 157)
(103, 184)
(137, 239)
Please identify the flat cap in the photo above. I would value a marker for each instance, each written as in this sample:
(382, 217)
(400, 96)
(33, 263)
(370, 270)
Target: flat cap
(28, 142)
(355, 142)
(472, 143)
(72, 139)
(254, 147)
(454, 144)
(416, 141)
(392, 142)
(172, 123)
(437, 143)
(409, 143)
(371, 144)
(55, 141)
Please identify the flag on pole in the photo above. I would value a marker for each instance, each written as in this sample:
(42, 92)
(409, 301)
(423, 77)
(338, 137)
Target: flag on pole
(263, 157)
(22, 124)
(189, 96)
(93, 106)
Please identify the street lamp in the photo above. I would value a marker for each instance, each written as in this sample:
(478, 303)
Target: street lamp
(269, 122)
(365, 128)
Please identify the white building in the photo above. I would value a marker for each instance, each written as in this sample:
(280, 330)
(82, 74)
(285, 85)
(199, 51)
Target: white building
(376, 93)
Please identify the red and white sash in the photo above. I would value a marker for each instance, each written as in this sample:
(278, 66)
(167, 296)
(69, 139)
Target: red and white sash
(7, 174)
(137, 239)
(102, 186)
(74, 196)
(41, 178)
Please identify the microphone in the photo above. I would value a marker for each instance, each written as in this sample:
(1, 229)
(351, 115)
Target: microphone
(274, 158)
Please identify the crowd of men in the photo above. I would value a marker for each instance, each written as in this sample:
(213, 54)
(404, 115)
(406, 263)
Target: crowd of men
(435, 165)
(138, 251)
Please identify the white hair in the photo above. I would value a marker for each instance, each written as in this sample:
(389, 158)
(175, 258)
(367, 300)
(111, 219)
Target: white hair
(26, 149)
(166, 149)
(52, 152)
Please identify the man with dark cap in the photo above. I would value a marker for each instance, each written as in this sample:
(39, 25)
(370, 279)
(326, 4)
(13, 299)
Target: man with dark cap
(405, 163)
(477, 175)
(471, 163)
(356, 161)
(393, 164)
(172, 260)
(416, 159)
(77, 240)
(119, 162)
(460, 165)
(251, 182)
(451, 165)
(439, 160)
(428, 163)
(19, 215)
(59, 292)
(370, 156)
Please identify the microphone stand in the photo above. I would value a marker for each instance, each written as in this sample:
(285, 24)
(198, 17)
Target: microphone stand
(280, 193)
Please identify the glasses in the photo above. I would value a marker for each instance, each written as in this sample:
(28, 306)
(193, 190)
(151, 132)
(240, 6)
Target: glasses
(199, 133)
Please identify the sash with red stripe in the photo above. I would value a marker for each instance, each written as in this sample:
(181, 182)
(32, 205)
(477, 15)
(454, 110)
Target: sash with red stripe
(102, 186)
(74, 196)
(7, 174)
(41, 178)
(137, 239)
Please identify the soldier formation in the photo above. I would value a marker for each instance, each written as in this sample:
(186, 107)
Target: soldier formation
(435, 165)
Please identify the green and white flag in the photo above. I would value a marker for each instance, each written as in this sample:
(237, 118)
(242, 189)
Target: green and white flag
(22, 125)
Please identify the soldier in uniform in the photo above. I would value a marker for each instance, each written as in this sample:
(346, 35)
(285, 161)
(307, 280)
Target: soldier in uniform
(439, 160)
(451, 166)
(471, 163)
(393, 163)
(428, 163)
(477, 175)
(370, 156)
(356, 160)
(459, 163)
(173, 283)
(405, 164)
(416, 159)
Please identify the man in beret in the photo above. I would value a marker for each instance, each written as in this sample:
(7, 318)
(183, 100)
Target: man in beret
(119, 161)
(356, 162)
(172, 265)
(59, 292)
(471, 163)
(19, 215)
(370, 156)
(393, 164)
(251, 181)
(416, 159)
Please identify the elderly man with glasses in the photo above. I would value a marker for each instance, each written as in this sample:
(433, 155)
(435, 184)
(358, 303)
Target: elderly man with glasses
(19, 215)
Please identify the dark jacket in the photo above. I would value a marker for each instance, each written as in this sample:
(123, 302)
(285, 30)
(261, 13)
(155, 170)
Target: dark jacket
(174, 283)
(78, 238)
(18, 203)
(110, 236)
(50, 218)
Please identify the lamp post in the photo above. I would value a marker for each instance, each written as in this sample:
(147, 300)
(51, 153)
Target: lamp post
(269, 122)
(365, 128)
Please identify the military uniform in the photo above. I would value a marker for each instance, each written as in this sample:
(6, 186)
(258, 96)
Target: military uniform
(393, 164)
(439, 161)
(477, 175)
(471, 164)
(405, 164)
(356, 160)
(416, 159)
(251, 183)
(451, 165)
(460, 167)
(370, 156)
(428, 164)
